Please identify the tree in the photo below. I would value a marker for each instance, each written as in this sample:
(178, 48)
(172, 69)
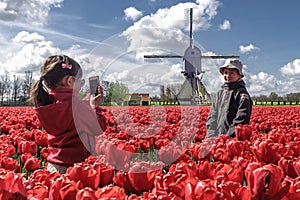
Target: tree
(273, 96)
(293, 97)
(168, 92)
(118, 92)
(4, 87)
(16, 88)
(163, 96)
(26, 85)
(174, 90)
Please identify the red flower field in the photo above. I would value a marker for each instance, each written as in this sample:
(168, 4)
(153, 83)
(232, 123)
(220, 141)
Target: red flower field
(158, 152)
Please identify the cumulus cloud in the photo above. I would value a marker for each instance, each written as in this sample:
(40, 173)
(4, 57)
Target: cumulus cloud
(174, 17)
(30, 55)
(34, 12)
(132, 13)
(166, 28)
(262, 83)
(225, 26)
(6, 14)
(27, 37)
(247, 49)
(291, 69)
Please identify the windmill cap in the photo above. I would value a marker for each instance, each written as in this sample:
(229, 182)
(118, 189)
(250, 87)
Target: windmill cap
(233, 64)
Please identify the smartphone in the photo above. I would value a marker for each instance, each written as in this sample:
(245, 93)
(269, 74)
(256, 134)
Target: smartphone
(94, 83)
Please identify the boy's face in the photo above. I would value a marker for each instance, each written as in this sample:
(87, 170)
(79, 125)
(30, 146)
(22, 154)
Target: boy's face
(231, 75)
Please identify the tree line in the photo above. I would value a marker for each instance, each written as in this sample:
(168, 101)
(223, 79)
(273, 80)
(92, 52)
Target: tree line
(16, 91)
(273, 96)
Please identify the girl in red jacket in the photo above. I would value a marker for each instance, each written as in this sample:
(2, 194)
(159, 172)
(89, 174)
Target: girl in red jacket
(71, 123)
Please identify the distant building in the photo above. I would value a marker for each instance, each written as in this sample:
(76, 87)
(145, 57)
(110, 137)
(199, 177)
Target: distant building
(138, 99)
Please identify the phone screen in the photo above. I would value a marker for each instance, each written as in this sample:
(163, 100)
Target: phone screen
(94, 83)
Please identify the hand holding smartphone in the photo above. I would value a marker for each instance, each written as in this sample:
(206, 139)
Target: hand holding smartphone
(93, 84)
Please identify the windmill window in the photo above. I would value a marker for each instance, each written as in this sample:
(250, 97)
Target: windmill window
(192, 52)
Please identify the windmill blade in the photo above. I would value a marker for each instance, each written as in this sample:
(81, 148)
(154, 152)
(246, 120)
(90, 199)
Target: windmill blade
(218, 57)
(162, 56)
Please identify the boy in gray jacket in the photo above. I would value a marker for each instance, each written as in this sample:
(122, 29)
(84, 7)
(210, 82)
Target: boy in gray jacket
(232, 105)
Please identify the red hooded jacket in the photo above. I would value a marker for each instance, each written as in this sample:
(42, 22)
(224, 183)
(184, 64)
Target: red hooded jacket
(72, 125)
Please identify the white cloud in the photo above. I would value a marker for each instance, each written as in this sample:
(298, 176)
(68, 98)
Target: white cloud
(27, 37)
(174, 17)
(225, 26)
(34, 12)
(28, 55)
(247, 49)
(5, 14)
(165, 28)
(291, 69)
(262, 83)
(131, 13)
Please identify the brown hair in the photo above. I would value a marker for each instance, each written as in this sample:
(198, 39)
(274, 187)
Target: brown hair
(54, 69)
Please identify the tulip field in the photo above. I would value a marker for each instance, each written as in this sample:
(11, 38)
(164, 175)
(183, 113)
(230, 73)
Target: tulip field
(157, 152)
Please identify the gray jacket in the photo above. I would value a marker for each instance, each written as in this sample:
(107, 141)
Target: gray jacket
(231, 107)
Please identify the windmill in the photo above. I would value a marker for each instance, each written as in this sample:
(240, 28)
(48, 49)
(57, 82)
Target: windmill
(192, 69)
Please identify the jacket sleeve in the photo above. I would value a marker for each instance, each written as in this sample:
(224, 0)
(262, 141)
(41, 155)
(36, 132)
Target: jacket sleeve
(87, 119)
(243, 112)
(211, 123)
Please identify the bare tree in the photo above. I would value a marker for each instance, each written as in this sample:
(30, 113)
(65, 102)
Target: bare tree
(26, 84)
(16, 88)
(4, 88)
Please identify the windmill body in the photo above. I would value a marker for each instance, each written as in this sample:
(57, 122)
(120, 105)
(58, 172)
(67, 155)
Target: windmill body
(193, 91)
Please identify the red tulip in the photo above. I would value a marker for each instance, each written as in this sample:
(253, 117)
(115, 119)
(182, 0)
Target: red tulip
(26, 146)
(171, 153)
(42, 177)
(266, 151)
(206, 170)
(41, 138)
(295, 146)
(140, 176)
(85, 175)
(294, 191)
(25, 157)
(12, 184)
(290, 167)
(10, 163)
(38, 192)
(243, 132)
(86, 194)
(62, 188)
(230, 173)
(221, 154)
(7, 149)
(265, 182)
(204, 189)
(234, 148)
(5, 195)
(117, 154)
(106, 171)
(234, 190)
(111, 192)
(32, 164)
(45, 152)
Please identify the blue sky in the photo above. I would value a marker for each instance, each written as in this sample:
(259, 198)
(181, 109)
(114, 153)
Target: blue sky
(106, 34)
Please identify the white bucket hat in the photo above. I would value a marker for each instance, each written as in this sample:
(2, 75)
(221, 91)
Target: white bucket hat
(233, 64)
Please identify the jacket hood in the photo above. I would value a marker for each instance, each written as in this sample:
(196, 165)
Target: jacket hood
(53, 116)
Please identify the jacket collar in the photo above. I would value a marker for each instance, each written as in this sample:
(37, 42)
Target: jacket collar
(234, 85)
